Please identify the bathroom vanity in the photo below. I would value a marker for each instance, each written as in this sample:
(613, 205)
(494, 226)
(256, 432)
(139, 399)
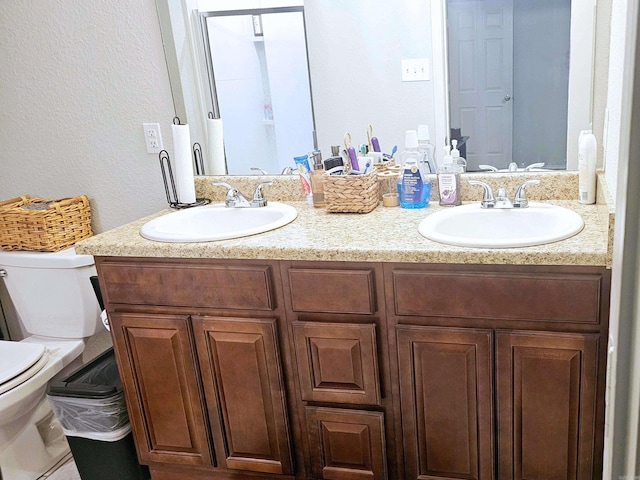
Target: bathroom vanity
(357, 356)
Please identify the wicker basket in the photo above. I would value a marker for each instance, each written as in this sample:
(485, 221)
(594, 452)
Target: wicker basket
(29, 223)
(351, 193)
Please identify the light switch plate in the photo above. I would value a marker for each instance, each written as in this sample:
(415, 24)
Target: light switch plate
(415, 70)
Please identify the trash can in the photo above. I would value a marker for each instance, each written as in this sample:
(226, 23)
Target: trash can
(90, 405)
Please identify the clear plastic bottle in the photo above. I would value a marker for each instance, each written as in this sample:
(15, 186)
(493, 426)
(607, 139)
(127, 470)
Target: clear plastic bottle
(427, 149)
(317, 179)
(587, 150)
(457, 159)
(449, 181)
(414, 188)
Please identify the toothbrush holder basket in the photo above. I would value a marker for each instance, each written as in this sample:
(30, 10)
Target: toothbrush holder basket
(351, 193)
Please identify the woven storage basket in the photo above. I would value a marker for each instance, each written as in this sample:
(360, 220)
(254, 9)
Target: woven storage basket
(49, 227)
(351, 193)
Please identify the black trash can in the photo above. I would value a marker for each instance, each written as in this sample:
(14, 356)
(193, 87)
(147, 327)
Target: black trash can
(90, 405)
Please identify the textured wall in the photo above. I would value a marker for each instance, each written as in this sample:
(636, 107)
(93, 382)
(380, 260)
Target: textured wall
(77, 80)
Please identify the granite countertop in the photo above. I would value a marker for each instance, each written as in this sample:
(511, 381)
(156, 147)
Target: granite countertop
(387, 234)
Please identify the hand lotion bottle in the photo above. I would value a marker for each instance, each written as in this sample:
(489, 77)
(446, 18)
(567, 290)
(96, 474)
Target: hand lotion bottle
(449, 181)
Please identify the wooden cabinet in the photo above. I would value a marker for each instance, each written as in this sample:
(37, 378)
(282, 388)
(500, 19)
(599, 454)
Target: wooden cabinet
(546, 404)
(337, 362)
(336, 312)
(347, 444)
(501, 370)
(446, 397)
(155, 358)
(347, 371)
(242, 377)
(198, 346)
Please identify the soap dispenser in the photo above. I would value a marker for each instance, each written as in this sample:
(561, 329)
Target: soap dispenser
(414, 188)
(457, 159)
(317, 179)
(449, 180)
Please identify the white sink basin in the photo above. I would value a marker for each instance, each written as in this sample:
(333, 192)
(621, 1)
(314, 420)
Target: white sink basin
(472, 226)
(217, 222)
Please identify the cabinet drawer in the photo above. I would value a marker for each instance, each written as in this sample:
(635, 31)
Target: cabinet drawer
(332, 290)
(346, 444)
(191, 285)
(337, 362)
(535, 296)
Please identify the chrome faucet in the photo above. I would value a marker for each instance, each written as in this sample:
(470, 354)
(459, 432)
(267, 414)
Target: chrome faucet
(513, 167)
(235, 199)
(500, 200)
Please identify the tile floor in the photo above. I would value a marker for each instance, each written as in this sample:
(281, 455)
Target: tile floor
(64, 470)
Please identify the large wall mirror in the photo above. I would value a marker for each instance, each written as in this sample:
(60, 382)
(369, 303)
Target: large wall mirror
(512, 79)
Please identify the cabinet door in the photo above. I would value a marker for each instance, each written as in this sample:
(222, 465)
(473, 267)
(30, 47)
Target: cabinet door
(446, 402)
(157, 365)
(337, 362)
(242, 377)
(346, 444)
(546, 404)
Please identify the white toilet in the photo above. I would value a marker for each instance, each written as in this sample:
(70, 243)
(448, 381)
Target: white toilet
(56, 305)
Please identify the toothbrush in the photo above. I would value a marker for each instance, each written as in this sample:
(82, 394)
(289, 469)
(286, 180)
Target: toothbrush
(353, 158)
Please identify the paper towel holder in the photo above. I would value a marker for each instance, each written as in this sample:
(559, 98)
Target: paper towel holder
(170, 184)
(197, 159)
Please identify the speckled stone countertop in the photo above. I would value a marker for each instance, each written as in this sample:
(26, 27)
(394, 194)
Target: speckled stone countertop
(388, 234)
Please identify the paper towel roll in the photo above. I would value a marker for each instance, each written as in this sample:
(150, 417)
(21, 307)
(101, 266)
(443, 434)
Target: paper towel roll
(183, 164)
(215, 164)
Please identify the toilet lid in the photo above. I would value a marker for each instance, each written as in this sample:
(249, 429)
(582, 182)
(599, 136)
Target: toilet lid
(18, 362)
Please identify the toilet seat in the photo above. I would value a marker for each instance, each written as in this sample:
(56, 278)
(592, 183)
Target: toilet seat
(19, 362)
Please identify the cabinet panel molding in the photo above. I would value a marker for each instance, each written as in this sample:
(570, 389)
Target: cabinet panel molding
(559, 297)
(347, 444)
(337, 362)
(162, 389)
(242, 377)
(546, 404)
(446, 401)
(322, 290)
(239, 287)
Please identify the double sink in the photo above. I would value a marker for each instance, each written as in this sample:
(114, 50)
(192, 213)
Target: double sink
(466, 226)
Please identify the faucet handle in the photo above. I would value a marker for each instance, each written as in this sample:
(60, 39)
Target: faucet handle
(222, 184)
(520, 200)
(232, 196)
(488, 201)
(533, 166)
(258, 198)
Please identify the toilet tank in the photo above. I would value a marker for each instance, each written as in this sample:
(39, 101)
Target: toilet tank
(52, 292)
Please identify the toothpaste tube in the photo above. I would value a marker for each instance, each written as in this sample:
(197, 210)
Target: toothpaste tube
(303, 170)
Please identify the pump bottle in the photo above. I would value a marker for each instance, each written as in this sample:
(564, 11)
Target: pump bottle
(449, 181)
(317, 179)
(457, 159)
(414, 188)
